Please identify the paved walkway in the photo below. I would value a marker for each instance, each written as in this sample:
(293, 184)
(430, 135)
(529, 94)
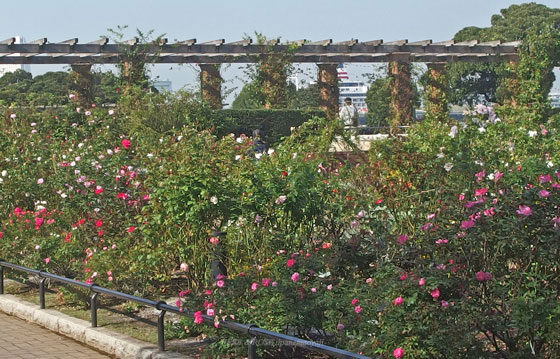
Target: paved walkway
(22, 340)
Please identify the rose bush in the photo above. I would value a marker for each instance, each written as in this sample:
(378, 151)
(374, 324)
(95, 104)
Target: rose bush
(442, 244)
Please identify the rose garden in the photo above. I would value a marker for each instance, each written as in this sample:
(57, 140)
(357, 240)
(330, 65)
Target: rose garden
(443, 243)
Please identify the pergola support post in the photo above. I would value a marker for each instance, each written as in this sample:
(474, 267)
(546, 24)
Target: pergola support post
(435, 93)
(327, 80)
(273, 79)
(82, 83)
(401, 92)
(509, 90)
(211, 85)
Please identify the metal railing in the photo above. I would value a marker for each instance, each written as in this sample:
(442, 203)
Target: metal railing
(250, 330)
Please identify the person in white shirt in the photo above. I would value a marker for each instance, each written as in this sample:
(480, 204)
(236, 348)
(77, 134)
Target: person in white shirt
(349, 113)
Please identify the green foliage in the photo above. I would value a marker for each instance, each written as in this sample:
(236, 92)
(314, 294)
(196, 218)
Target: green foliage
(378, 99)
(52, 88)
(274, 123)
(475, 83)
(250, 97)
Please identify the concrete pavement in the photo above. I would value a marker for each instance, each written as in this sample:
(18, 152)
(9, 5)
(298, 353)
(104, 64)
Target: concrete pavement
(21, 337)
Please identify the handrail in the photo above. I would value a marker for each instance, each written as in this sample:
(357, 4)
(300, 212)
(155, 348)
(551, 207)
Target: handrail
(251, 330)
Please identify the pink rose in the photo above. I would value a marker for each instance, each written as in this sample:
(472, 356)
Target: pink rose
(254, 286)
(435, 293)
(290, 263)
(357, 309)
(398, 301)
(354, 301)
(295, 277)
(198, 317)
(398, 353)
(524, 210)
(480, 192)
(125, 143)
(401, 239)
(544, 178)
(421, 281)
(220, 283)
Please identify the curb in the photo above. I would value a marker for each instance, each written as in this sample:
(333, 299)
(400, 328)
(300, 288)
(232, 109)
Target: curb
(101, 339)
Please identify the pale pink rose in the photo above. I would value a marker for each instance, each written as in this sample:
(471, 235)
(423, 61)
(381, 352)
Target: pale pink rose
(295, 277)
(421, 281)
(47, 260)
(214, 240)
(524, 210)
(184, 267)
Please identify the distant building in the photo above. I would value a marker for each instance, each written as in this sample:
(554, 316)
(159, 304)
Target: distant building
(554, 99)
(163, 86)
(12, 68)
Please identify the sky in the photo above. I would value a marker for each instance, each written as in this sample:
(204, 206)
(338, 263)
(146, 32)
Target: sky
(207, 20)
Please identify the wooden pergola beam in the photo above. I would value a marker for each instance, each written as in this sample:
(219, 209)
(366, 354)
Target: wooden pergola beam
(167, 58)
(217, 51)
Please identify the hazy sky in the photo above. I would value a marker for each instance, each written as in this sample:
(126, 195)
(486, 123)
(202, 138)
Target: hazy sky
(206, 20)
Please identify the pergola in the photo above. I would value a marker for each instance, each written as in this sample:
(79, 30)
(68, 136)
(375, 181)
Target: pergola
(326, 54)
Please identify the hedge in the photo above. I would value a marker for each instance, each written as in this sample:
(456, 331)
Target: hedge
(274, 123)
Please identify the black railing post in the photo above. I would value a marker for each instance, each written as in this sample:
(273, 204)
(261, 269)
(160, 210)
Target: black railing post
(1, 280)
(252, 348)
(217, 266)
(160, 333)
(42, 293)
(94, 310)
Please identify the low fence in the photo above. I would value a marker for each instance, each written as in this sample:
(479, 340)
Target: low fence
(250, 330)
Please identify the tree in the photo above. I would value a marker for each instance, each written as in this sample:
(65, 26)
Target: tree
(472, 83)
(14, 87)
(250, 97)
(378, 99)
(304, 98)
(51, 88)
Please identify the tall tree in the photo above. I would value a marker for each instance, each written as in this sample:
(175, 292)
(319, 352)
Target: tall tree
(472, 83)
